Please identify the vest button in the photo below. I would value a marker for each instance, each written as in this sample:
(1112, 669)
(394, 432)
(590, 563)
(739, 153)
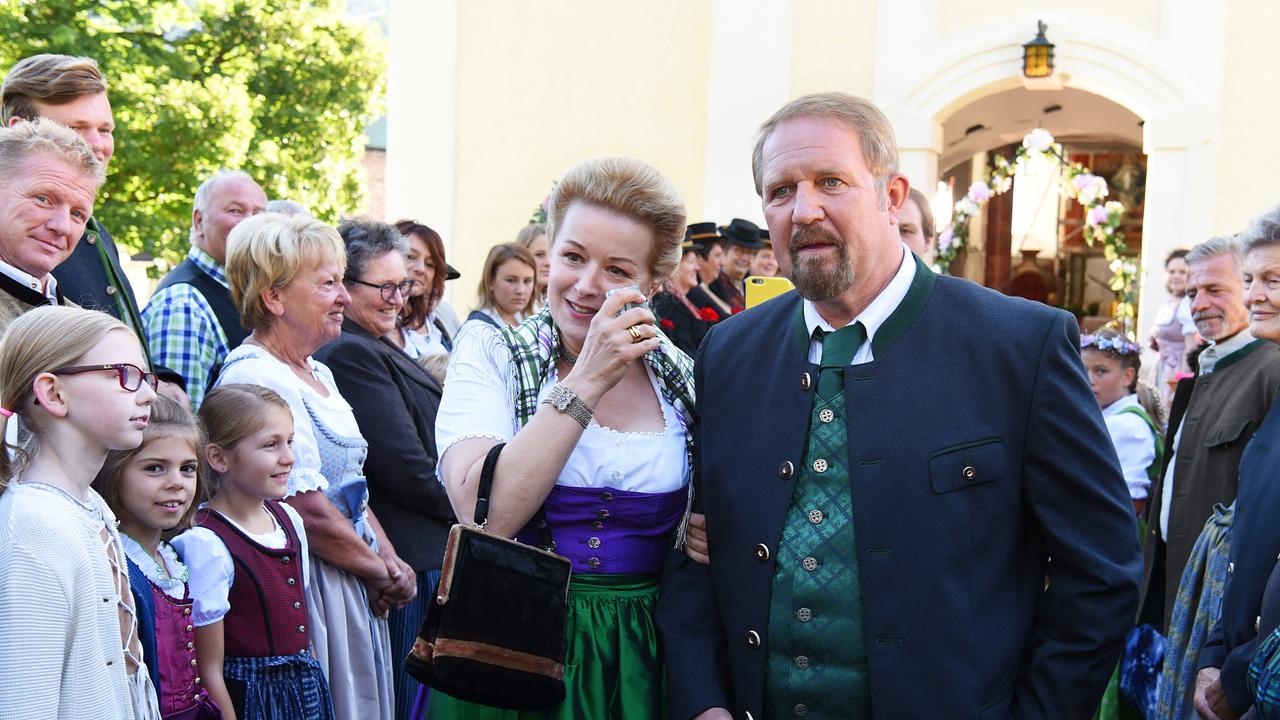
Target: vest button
(291, 581)
(191, 645)
(186, 611)
(802, 662)
(810, 563)
(753, 638)
(189, 628)
(302, 628)
(193, 662)
(786, 470)
(199, 681)
(826, 415)
(820, 465)
(597, 525)
(602, 514)
(593, 543)
(607, 497)
(297, 606)
(968, 473)
(762, 552)
(816, 516)
(800, 710)
(806, 382)
(593, 563)
(285, 559)
(804, 614)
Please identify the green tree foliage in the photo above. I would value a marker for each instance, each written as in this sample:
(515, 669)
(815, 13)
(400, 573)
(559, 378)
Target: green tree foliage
(280, 88)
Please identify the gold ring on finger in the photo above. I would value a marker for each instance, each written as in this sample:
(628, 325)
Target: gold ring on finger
(635, 333)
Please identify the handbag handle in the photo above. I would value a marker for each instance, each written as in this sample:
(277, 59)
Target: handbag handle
(482, 499)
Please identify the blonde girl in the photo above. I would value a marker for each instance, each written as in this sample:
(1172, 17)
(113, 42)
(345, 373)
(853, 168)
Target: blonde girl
(77, 382)
(248, 560)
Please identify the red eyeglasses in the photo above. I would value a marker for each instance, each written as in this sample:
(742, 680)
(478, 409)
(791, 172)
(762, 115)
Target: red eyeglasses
(130, 376)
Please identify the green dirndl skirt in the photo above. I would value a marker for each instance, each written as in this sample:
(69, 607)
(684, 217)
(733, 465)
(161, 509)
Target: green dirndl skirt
(613, 668)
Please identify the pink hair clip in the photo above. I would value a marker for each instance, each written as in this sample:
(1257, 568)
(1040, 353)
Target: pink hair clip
(6, 412)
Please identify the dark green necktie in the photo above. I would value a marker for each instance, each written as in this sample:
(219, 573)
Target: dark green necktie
(838, 349)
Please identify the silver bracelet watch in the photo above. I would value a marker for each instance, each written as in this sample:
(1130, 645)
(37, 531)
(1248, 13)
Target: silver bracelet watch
(567, 401)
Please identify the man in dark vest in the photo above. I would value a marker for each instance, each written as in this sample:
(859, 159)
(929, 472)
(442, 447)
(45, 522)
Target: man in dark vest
(191, 322)
(1213, 416)
(880, 546)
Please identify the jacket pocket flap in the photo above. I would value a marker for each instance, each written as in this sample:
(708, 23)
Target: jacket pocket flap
(1228, 431)
(962, 466)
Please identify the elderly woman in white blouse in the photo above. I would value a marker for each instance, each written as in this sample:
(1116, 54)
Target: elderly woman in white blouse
(286, 276)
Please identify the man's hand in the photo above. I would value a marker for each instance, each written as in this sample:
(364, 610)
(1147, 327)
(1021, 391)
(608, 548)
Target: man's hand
(695, 539)
(714, 713)
(1210, 702)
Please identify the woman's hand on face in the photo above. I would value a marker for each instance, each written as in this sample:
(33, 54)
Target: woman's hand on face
(610, 346)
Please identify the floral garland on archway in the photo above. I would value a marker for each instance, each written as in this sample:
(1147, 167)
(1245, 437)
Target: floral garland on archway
(1102, 216)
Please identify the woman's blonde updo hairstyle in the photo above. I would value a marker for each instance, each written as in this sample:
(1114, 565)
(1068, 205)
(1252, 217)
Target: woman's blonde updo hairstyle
(633, 190)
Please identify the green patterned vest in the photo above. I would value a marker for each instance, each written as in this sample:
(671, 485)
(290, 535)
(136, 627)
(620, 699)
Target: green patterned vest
(817, 660)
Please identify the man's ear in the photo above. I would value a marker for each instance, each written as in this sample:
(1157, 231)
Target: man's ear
(896, 191)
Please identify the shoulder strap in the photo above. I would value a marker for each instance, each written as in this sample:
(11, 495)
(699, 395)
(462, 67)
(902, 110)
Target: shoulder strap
(486, 486)
(1153, 470)
(218, 297)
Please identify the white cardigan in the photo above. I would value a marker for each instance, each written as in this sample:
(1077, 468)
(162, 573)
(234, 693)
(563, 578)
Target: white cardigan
(62, 654)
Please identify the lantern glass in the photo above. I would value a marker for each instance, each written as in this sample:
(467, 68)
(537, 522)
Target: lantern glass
(1037, 55)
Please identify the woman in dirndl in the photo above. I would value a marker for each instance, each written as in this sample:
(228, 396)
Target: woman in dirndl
(596, 403)
(286, 276)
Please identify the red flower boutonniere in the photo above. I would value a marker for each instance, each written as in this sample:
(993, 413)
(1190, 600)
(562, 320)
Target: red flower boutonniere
(708, 315)
(666, 324)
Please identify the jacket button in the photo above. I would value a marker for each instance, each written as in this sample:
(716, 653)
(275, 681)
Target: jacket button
(748, 715)
(93, 240)
(753, 638)
(1256, 622)
(762, 552)
(111, 290)
(806, 382)
(968, 473)
(786, 470)
(1231, 567)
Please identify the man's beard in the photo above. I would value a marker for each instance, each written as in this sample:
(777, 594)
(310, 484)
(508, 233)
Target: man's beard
(818, 278)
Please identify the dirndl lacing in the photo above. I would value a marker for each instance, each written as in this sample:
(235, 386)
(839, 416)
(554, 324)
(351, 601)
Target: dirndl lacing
(142, 693)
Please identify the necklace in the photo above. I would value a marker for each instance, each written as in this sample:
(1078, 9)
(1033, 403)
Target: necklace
(563, 353)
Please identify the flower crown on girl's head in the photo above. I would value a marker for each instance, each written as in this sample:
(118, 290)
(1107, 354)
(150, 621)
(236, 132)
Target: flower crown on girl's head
(1111, 342)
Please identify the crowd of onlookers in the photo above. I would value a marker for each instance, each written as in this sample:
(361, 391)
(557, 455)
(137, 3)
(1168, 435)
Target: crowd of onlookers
(255, 525)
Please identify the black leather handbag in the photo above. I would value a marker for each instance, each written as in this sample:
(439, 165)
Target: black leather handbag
(495, 634)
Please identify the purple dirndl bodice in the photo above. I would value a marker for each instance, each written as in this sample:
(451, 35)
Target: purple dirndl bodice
(605, 530)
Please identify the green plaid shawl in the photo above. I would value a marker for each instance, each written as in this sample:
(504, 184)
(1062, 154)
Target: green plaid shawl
(532, 344)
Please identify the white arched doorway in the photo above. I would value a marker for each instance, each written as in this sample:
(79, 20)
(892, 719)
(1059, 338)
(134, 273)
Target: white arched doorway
(1141, 72)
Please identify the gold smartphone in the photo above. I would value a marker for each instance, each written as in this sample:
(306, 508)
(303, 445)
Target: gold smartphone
(760, 289)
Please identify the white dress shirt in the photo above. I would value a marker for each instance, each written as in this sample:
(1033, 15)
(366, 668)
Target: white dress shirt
(872, 317)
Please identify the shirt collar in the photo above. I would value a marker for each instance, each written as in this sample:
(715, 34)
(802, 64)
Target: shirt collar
(47, 287)
(208, 265)
(1213, 354)
(1114, 408)
(874, 315)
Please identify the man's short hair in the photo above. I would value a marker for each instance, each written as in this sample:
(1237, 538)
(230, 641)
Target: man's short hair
(879, 146)
(1212, 248)
(1264, 230)
(24, 140)
(269, 250)
(200, 202)
(49, 79)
